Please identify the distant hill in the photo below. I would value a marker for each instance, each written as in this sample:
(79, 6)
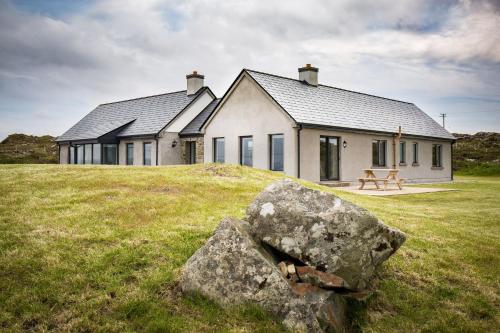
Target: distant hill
(22, 148)
(477, 153)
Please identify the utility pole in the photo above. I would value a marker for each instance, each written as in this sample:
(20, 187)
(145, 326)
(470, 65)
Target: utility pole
(443, 115)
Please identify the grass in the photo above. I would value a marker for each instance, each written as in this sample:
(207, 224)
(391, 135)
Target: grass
(478, 169)
(96, 248)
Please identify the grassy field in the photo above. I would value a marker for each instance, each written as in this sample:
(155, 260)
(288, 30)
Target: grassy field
(95, 248)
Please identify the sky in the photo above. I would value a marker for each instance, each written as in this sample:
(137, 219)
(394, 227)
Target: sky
(60, 59)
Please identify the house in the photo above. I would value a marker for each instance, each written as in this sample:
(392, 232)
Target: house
(321, 133)
(154, 130)
(296, 126)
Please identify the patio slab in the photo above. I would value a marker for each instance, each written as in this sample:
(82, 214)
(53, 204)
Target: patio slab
(392, 191)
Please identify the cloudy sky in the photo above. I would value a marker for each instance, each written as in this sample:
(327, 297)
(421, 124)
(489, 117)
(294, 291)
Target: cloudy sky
(59, 59)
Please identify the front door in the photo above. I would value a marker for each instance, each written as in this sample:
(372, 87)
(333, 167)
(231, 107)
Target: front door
(329, 157)
(191, 152)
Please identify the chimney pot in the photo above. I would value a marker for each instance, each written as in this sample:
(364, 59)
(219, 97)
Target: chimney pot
(309, 74)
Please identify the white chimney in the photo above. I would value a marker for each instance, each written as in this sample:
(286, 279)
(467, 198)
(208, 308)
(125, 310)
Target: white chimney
(194, 82)
(309, 74)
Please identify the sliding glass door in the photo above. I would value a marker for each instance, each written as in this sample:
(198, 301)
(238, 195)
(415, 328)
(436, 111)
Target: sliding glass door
(329, 158)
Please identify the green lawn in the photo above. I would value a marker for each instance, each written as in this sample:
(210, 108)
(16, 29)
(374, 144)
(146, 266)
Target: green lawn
(86, 248)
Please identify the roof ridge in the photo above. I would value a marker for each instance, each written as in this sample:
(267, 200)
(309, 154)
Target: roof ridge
(137, 98)
(327, 86)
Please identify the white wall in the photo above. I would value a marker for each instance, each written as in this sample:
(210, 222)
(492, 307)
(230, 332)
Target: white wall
(249, 111)
(138, 151)
(190, 113)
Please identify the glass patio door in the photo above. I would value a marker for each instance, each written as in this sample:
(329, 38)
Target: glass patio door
(329, 158)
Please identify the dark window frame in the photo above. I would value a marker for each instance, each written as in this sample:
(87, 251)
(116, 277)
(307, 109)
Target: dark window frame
(117, 153)
(437, 155)
(328, 162)
(379, 143)
(214, 149)
(414, 153)
(127, 145)
(402, 152)
(144, 153)
(191, 145)
(271, 151)
(241, 138)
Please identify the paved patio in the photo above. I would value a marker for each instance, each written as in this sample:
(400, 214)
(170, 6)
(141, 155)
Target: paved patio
(392, 191)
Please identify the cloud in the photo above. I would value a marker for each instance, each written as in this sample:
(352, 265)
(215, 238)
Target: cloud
(55, 69)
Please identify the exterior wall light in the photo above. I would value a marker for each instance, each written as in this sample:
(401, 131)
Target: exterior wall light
(344, 144)
(174, 143)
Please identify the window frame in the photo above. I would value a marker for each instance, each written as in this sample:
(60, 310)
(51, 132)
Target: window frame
(144, 153)
(127, 145)
(241, 138)
(402, 153)
(414, 153)
(214, 150)
(103, 146)
(379, 142)
(437, 147)
(191, 145)
(271, 151)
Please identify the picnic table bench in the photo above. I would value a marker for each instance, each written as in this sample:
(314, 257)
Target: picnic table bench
(370, 177)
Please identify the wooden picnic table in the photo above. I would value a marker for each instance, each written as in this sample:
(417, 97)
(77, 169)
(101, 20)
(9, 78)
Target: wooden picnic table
(392, 176)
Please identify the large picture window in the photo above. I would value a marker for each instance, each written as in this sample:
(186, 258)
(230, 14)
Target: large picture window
(415, 152)
(71, 155)
(277, 157)
(88, 154)
(379, 153)
(246, 150)
(96, 153)
(219, 153)
(147, 153)
(436, 156)
(80, 154)
(402, 152)
(109, 153)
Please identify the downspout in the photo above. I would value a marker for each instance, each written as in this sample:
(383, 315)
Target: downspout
(452, 143)
(156, 139)
(299, 128)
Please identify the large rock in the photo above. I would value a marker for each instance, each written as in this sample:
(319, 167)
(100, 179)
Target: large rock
(322, 230)
(231, 268)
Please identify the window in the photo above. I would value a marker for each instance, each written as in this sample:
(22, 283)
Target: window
(130, 154)
(96, 153)
(219, 154)
(110, 154)
(378, 153)
(191, 152)
(415, 153)
(246, 150)
(436, 156)
(147, 153)
(80, 154)
(88, 154)
(71, 155)
(276, 158)
(402, 152)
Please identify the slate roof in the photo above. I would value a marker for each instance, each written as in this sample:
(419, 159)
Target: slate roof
(148, 115)
(334, 107)
(194, 127)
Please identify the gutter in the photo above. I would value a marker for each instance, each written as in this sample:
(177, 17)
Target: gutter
(299, 128)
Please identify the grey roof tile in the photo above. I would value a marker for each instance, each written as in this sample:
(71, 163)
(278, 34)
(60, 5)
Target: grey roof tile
(194, 127)
(329, 106)
(148, 115)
